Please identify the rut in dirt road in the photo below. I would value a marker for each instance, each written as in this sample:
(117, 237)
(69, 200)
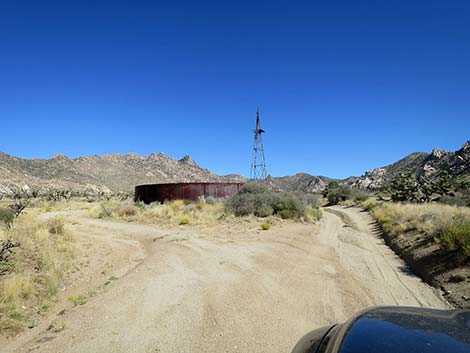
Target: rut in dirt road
(229, 293)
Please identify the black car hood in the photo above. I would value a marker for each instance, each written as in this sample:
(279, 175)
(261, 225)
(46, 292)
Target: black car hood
(408, 330)
(393, 330)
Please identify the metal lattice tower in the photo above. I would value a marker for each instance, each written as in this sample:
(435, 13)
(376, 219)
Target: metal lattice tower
(258, 165)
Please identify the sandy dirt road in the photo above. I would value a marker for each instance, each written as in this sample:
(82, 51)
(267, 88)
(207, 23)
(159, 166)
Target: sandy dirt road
(194, 292)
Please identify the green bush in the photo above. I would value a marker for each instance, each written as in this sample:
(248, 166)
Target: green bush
(254, 188)
(315, 214)
(258, 200)
(286, 214)
(309, 200)
(184, 221)
(7, 216)
(359, 195)
(286, 201)
(80, 299)
(265, 226)
(264, 210)
(242, 204)
(335, 193)
(457, 235)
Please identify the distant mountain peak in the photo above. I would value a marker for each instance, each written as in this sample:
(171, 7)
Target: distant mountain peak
(60, 156)
(188, 160)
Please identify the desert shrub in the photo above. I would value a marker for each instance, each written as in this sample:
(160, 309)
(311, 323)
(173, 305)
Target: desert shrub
(314, 214)
(265, 226)
(242, 204)
(79, 299)
(370, 204)
(7, 216)
(210, 200)
(55, 226)
(254, 188)
(184, 221)
(101, 211)
(286, 214)
(336, 193)
(456, 235)
(258, 200)
(126, 211)
(309, 200)
(139, 205)
(263, 210)
(359, 195)
(287, 201)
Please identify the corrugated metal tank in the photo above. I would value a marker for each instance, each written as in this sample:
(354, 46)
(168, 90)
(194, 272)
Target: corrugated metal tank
(184, 191)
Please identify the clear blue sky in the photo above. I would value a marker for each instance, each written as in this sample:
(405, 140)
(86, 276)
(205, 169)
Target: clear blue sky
(342, 86)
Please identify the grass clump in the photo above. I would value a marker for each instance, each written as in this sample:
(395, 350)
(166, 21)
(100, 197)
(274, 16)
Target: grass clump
(456, 235)
(184, 221)
(80, 299)
(57, 326)
(103, 210)
(56, 226)
(265, 226)
(126, 211)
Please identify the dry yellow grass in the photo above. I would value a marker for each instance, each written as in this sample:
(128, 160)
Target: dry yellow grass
(447, 225)
(37, 269)
(198, 214)
(178, 212)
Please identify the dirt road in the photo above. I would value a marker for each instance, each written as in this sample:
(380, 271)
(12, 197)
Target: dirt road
(229, 292)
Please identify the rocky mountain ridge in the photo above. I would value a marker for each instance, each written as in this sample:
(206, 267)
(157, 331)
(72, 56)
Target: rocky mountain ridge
(114, 173)
(94, 174)
(430, 165)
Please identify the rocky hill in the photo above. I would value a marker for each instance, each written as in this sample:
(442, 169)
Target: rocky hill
(108, 173)
(431, 165)
(301, 182)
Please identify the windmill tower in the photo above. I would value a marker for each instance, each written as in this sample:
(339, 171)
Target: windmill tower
(258, 165)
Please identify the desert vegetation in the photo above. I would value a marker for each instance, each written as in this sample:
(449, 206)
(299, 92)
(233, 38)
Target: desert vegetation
(254, 200)
(35, 256)
(448, 226)
(170, 213)
(257, 199)
(336, 193)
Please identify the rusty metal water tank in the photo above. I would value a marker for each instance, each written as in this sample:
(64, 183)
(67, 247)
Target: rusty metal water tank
(184, 191)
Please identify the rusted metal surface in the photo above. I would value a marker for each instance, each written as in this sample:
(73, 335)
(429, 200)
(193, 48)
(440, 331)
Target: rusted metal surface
(184, 191)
